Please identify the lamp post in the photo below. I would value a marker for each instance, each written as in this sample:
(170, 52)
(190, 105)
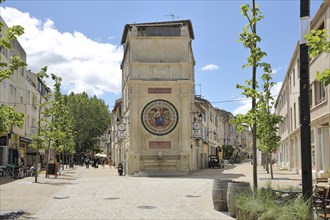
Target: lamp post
(305, 135)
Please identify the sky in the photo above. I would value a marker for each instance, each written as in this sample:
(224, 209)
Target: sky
(80, 41)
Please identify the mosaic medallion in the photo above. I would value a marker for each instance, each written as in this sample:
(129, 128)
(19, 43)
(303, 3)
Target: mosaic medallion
(159, 117)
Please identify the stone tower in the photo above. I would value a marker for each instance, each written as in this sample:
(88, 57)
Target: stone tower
(157, 96)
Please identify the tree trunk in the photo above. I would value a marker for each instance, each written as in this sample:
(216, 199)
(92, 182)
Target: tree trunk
(267, 162)
(271, 166)
(254, 130)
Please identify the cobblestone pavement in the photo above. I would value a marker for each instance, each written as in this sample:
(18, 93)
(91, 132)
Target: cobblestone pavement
(82, 193)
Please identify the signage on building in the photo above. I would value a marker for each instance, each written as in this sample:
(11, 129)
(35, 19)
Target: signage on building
(159, 117)
(197, 132)
(121, 133)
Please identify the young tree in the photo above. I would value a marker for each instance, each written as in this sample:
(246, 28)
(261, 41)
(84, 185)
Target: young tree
(249, 38)
(8, 116)
(55, 122)
(267, 121)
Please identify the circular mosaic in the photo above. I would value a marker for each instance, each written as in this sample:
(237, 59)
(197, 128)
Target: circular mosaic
(159, 117)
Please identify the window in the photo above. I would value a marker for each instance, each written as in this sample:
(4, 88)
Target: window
(319, 92)
(4, 83)
(28, 98)
(34, 102)
(15, 95)
(294, 115)
(310, 98)
(28, 121)
(11, 89)
(21, 96)
(33, 123)
(298, 71)
(321, 148)
(293, 76)
(291, 116)
(290, 82)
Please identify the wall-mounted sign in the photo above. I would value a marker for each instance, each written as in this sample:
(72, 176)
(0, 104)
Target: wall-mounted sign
(163, 145)
(159, 117)
(121, 133)
(197, 131)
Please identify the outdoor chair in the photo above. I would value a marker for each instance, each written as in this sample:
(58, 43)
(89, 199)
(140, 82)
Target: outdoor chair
(321, 201)
(3, 171)
(18, 173)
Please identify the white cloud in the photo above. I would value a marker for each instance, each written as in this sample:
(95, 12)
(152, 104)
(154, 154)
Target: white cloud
(275, 71)
(246, 104)
(276, 89)
(210, 67)
(83, 64)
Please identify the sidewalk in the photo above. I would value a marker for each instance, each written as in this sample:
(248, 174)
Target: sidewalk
(25, 198)
(244, 172)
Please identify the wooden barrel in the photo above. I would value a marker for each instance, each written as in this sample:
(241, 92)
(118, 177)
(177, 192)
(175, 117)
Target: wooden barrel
(233, 188)
(219, 194)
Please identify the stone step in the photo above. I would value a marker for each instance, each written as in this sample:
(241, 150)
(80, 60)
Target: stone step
(160, 174)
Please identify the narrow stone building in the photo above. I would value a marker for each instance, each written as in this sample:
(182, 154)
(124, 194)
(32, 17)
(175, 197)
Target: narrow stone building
(154, 123)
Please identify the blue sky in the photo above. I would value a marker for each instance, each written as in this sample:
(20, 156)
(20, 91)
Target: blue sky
(80, 41)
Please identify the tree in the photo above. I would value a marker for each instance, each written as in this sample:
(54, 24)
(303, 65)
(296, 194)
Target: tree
(249, 38)
(91, 119)
(268, 122)
(317, 43)
(55, 122)
(8, 116)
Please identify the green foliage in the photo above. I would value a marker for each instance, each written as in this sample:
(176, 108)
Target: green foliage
(55, 125)
(248, 37)
(8, 116)
(324, 76)
(91, 119)
(227, 151)
(317, 43)
(261, 113)
(268, 122)
(262, 204)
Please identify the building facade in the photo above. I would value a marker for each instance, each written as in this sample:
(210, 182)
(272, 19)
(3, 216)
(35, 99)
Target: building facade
(23, 91)
(288, 103)
(158, 92)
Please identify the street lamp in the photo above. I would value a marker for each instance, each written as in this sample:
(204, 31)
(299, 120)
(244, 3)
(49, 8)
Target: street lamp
(305, 135)
(200, 116)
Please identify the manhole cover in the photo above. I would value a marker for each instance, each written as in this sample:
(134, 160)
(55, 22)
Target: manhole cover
(112, 198)
(61, 197)
(147, 207)
(192, 196)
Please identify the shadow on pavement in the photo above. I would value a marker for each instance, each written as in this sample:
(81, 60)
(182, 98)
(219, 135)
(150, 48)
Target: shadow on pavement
(6, 179)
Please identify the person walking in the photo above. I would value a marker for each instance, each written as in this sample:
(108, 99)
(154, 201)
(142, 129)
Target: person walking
(87, 162)
(110, 162)
(103, 162)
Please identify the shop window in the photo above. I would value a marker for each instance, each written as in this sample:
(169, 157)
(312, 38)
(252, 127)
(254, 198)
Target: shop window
(319, 92)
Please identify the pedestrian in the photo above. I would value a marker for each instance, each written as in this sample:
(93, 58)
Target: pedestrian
(87, 162)
(103, 162)
(60, 168)
(110, 162)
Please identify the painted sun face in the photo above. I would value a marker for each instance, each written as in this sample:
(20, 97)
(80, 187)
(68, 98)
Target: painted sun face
(159, 117)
